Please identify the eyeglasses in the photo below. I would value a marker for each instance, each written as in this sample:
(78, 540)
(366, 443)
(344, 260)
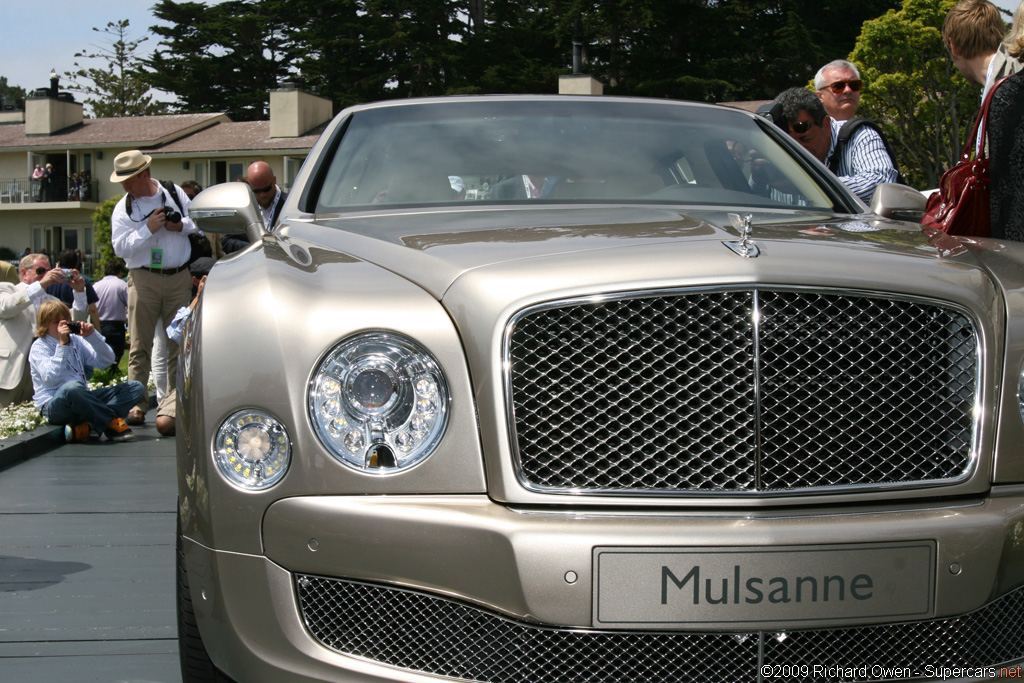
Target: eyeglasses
(839, 86)
(800, 126)
(41, 271)
(261, 190)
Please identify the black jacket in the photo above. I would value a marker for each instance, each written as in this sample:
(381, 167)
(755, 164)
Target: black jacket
(1006, 159)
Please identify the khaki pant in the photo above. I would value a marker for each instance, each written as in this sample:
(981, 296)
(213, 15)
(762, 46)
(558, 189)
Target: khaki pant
(152, 296)
(19, 394)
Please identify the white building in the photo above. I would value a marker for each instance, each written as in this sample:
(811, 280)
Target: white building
(207, 148)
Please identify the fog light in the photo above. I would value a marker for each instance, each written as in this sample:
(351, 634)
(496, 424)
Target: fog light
(253, 450)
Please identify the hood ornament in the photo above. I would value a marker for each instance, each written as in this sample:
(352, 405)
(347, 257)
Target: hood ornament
(744, 247)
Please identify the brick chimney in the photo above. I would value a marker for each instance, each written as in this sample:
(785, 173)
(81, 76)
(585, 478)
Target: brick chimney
(48, 111)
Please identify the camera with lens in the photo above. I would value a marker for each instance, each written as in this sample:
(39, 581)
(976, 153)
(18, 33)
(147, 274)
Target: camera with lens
(773, 112)
(75, 327)
(172, 215)
(68, 274)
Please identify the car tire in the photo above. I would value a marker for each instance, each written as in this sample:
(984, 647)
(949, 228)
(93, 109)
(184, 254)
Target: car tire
(196, 666)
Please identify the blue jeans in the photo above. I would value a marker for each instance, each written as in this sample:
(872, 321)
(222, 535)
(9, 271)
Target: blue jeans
(74, 403)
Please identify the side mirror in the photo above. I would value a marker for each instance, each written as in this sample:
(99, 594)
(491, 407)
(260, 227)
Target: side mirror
(226, 209)
(899, 202)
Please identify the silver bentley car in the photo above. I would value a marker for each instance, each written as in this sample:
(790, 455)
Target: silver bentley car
(597, 390)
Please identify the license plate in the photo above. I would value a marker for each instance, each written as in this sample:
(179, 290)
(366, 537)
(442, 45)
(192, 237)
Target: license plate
(677, 587)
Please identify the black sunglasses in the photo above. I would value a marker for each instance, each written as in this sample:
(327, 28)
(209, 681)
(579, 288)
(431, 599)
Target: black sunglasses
(41, 271)
(800, 126)
(261, 190)
(840, 86)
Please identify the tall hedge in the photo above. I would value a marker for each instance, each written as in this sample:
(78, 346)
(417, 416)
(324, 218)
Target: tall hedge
(102, 232)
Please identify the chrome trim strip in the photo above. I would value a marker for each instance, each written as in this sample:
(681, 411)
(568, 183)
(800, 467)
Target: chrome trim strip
(756, 323)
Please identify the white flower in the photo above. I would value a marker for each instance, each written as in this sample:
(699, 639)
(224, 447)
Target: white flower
(16, 419)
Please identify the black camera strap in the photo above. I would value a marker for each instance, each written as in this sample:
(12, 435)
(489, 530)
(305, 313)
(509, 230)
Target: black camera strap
(169, 189)
(173, 191)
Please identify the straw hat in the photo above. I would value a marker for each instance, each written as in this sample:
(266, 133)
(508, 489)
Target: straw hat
(128, 165)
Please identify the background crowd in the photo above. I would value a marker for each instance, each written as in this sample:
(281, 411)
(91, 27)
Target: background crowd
(55, 326)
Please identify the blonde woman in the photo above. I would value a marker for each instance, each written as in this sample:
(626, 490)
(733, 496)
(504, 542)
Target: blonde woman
(61, 361)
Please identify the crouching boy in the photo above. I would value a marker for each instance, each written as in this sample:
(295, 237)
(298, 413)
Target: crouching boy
(61, 361)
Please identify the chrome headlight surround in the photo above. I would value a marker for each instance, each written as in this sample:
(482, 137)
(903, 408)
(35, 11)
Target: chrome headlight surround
(379, 403)
(252, 449)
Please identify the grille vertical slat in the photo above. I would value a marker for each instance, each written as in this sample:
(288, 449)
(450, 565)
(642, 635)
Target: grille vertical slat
(665, 393)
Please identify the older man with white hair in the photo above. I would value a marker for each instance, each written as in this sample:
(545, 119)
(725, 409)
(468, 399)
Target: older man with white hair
(150, 228)
(838, 84)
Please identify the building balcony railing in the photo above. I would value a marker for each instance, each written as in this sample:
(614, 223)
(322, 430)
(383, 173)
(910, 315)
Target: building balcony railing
(29, 190)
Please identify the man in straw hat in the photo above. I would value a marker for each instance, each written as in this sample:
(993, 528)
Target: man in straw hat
(150, 228)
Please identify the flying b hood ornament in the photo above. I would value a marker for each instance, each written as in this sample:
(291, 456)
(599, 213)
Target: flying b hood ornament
(744, 247)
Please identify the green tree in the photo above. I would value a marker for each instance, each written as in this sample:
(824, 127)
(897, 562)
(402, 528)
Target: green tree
(11, 95)
(747, 49)
(222, 58)
(517, 48)
(103, 230)
(913, 88)
(335, 60)
(120, 88)
(227, 56)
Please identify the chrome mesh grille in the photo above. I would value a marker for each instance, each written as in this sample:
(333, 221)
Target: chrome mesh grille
(693, 391)
(424, 633)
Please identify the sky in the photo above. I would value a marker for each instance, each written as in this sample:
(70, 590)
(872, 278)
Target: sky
(35, 38)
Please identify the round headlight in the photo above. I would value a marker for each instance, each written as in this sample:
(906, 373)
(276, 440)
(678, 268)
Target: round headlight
(379, 403)
(253, 450)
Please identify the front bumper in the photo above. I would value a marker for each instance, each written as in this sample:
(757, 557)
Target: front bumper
(390, 588)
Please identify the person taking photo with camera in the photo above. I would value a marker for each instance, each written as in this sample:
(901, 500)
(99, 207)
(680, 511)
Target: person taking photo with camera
(19, 305)
(149, 230)
(61, 361)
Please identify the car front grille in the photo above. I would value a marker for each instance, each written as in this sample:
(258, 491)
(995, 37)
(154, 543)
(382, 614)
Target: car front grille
(429, 634)
(741, 390)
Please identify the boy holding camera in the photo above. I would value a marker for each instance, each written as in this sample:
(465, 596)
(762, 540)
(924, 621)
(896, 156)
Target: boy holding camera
(61, 361)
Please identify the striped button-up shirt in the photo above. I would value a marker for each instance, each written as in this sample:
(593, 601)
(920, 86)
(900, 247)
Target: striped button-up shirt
(865, 162)
(54, 364)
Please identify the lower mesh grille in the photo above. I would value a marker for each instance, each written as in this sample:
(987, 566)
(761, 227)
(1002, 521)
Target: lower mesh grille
(424, 633)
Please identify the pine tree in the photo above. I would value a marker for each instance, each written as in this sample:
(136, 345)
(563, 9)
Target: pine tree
(119, 89)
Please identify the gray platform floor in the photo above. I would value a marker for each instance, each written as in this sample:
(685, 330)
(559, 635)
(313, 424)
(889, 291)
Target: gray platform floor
(87, 564)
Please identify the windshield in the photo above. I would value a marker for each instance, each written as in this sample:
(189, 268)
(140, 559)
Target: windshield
(562, 151)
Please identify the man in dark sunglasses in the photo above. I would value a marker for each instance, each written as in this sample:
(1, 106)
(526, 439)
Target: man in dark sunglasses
(269, 197)
(862, 163)
(839, 84)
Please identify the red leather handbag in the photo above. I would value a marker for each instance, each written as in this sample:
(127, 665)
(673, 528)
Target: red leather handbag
(960, 205)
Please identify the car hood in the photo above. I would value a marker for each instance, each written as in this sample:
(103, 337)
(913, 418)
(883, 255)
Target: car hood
(626, 247)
